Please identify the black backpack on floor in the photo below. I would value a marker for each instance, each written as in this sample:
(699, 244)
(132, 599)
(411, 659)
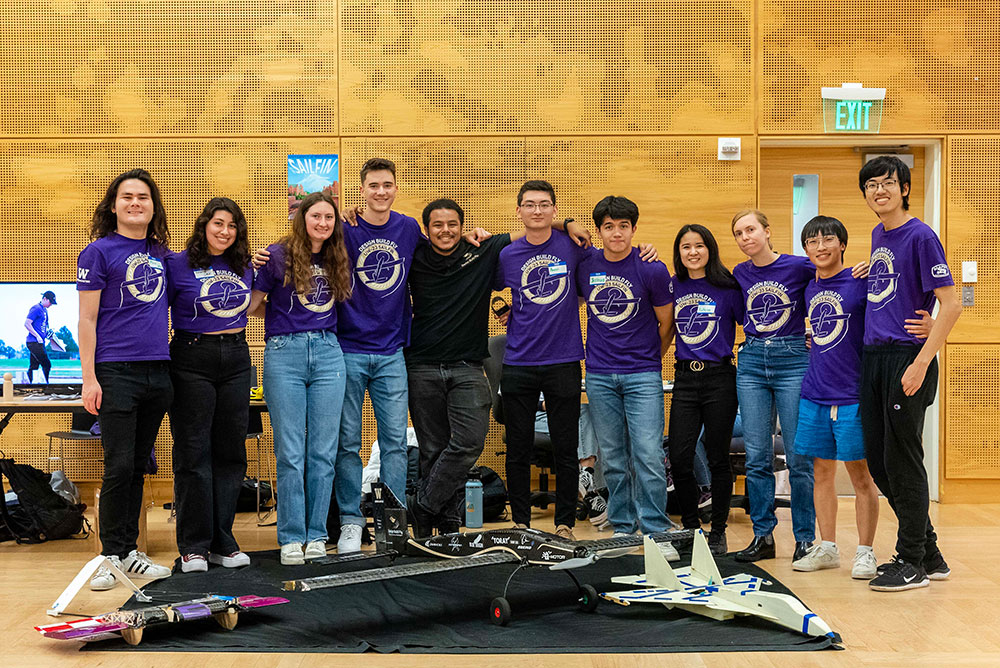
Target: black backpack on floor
(41, 514)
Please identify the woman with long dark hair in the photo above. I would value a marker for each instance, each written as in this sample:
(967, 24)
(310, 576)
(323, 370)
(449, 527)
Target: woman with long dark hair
(304, 373)
(707, 307)
(209, 291)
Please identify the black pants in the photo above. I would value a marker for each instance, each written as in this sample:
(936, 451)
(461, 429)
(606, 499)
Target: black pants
(520, 387)
(208, 419)
(893, 424)
(39, 359)
(703, 398)
(135, 397)
(450, 410)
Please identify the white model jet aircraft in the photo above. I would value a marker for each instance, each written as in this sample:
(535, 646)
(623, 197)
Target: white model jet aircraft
(701, 589)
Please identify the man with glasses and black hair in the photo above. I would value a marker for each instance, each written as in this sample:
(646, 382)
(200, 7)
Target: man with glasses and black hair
(899, 375)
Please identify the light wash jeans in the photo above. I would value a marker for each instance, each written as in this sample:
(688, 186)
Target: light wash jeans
(768, 379)
(304, 381)
(384, 378)
(627, 413)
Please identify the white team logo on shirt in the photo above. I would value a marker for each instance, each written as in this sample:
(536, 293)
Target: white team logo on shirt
(143, 278)
(223, 295)
(827, 319)
(882, 277)
(940, 270)
(768, 306)
(696, 329)
(320, 298)
(613, 302)
(379, 266)
(538, 284)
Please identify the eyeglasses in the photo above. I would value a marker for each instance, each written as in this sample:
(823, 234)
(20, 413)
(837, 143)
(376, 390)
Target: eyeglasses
(828, 240)
(872, 186)
(541, 206)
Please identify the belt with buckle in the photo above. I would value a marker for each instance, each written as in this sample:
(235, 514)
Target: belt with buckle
(700, 365)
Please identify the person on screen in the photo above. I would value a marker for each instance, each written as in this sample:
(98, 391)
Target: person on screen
(124, 355)
(37, 324)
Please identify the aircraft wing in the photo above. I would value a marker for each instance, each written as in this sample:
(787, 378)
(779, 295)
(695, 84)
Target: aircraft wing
(400, 571)
(88, 629)
(702, 596)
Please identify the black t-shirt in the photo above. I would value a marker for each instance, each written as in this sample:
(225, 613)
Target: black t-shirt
(451, 301)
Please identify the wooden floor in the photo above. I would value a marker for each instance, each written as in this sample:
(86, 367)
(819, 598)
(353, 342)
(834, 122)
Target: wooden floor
(952, 623)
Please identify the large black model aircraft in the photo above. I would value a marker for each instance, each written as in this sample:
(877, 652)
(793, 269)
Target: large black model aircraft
(519, 547)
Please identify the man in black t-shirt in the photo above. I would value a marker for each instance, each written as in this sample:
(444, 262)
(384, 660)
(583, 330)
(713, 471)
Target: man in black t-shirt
(451, 281)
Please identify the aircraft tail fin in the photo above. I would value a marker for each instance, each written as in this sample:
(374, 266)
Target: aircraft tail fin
(389, 518)
(658, 570)
(702, 562)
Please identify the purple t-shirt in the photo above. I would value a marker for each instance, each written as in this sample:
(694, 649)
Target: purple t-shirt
(773, 296)
(376, 319)
(706, 317)
(39, 317)
(288, 312)
(132, 317)
(622, 329)
(907, 265)
(836, 311)
(544, 324)
(210, 299)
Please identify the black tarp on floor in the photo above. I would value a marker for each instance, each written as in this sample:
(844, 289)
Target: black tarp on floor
(448, 613)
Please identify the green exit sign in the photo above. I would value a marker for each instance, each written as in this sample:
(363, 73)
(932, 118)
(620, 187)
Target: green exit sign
(852, 108)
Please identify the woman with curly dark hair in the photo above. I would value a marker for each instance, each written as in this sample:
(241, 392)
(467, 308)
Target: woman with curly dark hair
(209, 291)
(304, 373)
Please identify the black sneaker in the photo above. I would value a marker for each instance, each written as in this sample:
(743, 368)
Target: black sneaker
(900, 576)
(891, 564)
(936, 567)
(717, 544)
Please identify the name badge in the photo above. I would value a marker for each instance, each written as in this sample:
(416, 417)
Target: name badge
(598, 279)
(558, 269)
(202, 274)
(706, 308)
(155, 263)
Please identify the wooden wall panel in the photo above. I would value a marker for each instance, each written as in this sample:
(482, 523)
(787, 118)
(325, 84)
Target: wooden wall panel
(525, 66)
(939, 61)
(168, 67)
(973, 231)
(973, 406)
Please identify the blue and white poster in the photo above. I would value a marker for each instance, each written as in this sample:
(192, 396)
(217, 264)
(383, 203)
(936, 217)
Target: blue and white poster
(308, 174)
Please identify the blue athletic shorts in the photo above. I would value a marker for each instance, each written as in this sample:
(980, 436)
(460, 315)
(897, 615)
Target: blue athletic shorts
(820, 435)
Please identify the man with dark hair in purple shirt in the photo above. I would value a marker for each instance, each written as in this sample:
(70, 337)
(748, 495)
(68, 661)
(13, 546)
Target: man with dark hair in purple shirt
(899, 373)
(37, 324)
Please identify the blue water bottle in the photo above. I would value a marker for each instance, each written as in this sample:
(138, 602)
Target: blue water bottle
(474, 500)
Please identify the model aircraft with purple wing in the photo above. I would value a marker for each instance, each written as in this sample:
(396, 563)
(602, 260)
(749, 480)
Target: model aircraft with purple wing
(129, 624)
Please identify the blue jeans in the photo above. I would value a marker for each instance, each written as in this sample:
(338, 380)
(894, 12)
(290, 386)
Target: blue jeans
(384, 377)
(769, 377)
(304, 386)
(627, 412)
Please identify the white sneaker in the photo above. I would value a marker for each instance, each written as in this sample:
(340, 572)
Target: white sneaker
(621, 534)
(193, 563)
(817, 558)
(586, 484)
(234, 560)
(350, 539)
(138, 564)
(316, 549)
(291, 555)
(669, 552)
(865, 567)
(104, 579)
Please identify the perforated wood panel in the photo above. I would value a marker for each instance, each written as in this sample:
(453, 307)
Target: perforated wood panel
(973, 230)
(940, 62)
(473, 66)
(973, 403)
(207, 67)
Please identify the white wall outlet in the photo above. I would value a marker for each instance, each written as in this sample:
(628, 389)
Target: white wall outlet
(729, 148)
(970, 271)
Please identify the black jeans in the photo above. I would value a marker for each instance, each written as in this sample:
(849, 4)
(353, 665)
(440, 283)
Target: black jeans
(703, 398)
(520, 387)
(135, 397)
(39, 359)
(450, 410)
(208, 419)
(893, 425)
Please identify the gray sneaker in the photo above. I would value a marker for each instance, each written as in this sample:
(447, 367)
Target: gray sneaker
(104, 579)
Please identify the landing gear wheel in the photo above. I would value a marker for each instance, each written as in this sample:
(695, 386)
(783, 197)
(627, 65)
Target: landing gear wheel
(500, 611)
(588, 598)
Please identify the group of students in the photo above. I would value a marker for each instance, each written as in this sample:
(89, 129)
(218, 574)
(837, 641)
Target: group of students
(377, 305)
